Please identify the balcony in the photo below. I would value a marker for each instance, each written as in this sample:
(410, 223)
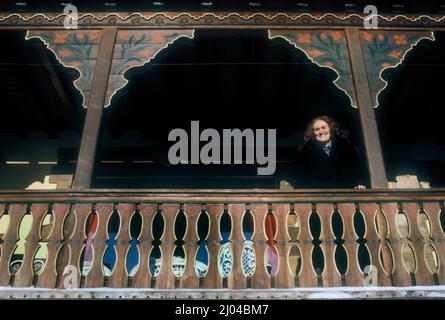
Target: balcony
(221, 243)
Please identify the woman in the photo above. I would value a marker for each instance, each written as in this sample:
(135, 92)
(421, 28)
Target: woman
(327, 159)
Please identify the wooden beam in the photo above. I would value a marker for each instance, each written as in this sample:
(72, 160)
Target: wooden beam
(368, 122)
(88, 145)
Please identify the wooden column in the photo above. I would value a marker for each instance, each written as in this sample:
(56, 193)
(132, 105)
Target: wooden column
(87, 152)
(368, 123)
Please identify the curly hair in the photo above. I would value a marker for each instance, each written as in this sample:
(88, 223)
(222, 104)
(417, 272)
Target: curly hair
(333, 125)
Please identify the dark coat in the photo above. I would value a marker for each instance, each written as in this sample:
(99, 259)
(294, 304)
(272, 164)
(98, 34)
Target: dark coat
(341, 169)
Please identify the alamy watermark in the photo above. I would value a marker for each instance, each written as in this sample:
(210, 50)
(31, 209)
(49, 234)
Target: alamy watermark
(252, 141)
(371, 20)
(371, 280)
(70, 21)
(70, 280)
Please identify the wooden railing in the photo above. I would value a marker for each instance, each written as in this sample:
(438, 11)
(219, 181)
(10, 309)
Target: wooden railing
(246, 238)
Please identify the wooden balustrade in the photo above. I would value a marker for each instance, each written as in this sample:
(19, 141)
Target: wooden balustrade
(401, 255)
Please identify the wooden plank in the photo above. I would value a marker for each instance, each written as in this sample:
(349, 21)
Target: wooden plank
(48, 277)
(354, 275)
(190, 279)
(166, 277)
(307, 276)
(237, 279)
(401, 276)
(418, 242)
(9, 244)
(260, 279)
(25, 275)
(88, 145)
(119, 277)
(284, 277)
(375, 242)
(142, 277)
(213, 278)
(330, 275)
(95, 277)
(433, 210)
(368, 122)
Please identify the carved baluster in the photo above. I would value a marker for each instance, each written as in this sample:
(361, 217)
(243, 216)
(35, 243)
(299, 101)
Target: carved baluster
(307, 276)
(433, 210)
(376, 241)
(142, 277)
(213, 278)
(16, 213)
(190, 279)
(284, 276)
(48, 277)
(354, 275)
(25, 275)
(331, 276)
(401, 276)
(166, 277)
(237, 280)
(418, 242)
(260, 278)
(95, 277)
(119, 277)
(76, 242)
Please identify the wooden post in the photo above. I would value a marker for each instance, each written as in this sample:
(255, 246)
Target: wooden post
(87, 152)
(368, 123)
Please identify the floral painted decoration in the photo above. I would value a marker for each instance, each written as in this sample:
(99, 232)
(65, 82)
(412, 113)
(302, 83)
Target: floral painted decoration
(326, 48)
(76, 49)
(135, 48)
(386, 49)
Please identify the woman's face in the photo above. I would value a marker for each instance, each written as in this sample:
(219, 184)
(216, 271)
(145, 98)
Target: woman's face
(322, 132)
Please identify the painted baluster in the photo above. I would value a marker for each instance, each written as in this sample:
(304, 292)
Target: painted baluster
(213, 278)
(142, 278)
(16, 213)
(25, 275)
(95, 277)
(260, 279)
(76, 243)
(236, 279)
(166, 277)
(48, 277)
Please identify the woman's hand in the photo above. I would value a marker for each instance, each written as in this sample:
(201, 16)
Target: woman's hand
(360, 186)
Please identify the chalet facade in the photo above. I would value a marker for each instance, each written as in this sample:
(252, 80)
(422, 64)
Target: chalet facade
(89, 200)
